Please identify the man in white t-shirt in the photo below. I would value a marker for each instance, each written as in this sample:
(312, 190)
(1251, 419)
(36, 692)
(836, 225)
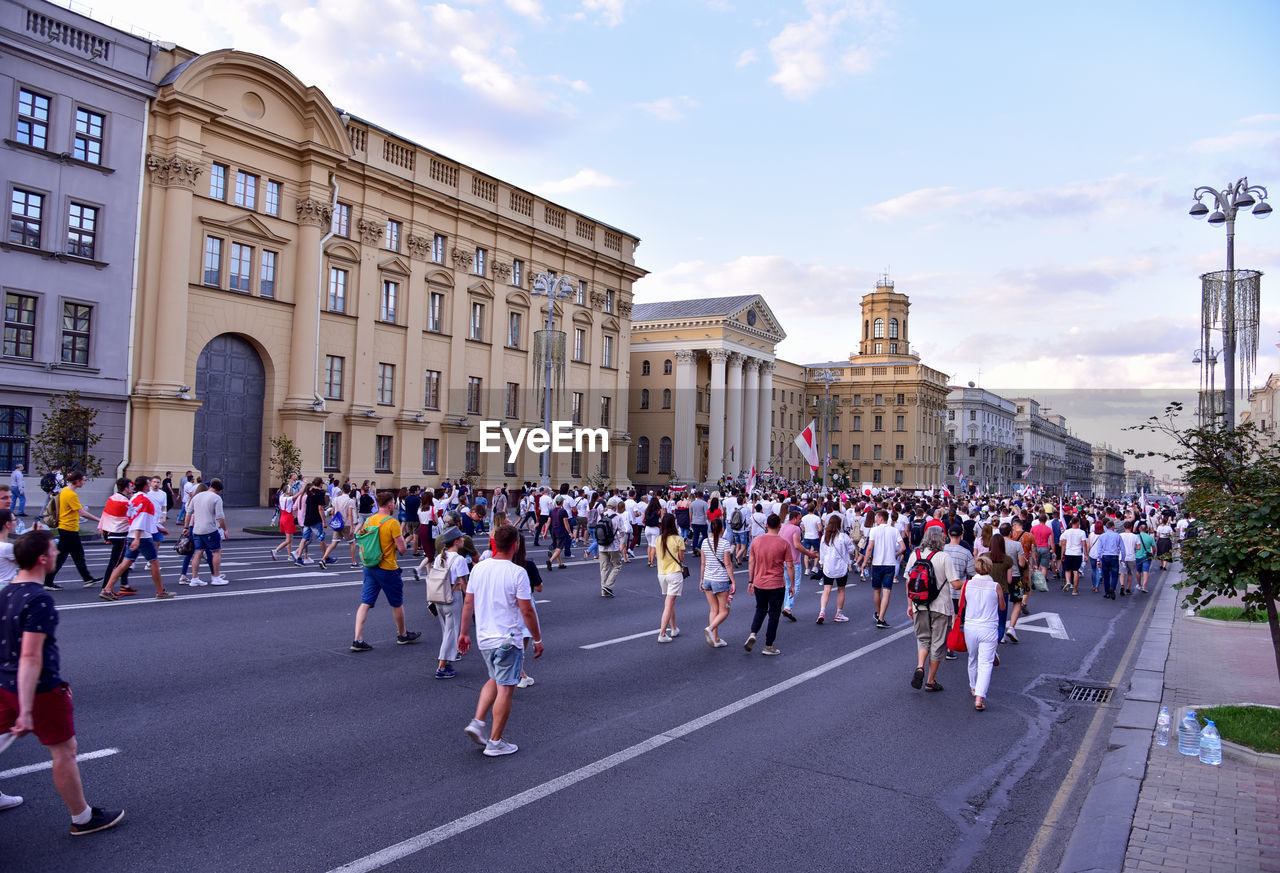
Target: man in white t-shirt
(1073, 545)
(501, 598)
(810, 532)
(885, 547)
(544, 512)
(344, 507)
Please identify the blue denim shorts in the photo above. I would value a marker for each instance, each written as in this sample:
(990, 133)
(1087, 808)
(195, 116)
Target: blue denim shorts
(388, 582)
(742, 537)
(210, 542)
(882, 577)
(504, 663)
(317, 532)
(716, 587)
(1144, 565)
(146, 548)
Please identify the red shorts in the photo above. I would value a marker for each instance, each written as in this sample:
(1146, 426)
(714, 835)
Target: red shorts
(51, 714)
(288, 523)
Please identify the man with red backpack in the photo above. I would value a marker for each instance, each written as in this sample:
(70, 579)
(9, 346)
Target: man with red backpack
(930, 578)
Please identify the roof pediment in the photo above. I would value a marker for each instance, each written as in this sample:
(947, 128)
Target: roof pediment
(246, 225)
(746, 313)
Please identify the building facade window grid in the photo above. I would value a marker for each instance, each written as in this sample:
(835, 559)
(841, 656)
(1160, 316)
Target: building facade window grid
(386, 384)
(481, 255)
(87, 145)
(246, 190)
(77, 323)
(605, 406)
(393, 235)
(19, 326)
(438, 243)
(579, 343)
(473, 457)
(337, 289)
(271, 199)
(333, 369)
(475, 386)
(241, 267)
(513, 400)
(33, 119)
(575, 408)
(267, 274)
(431, 400)
(388, 300)
(82, 230)
(213, 261)
(218, 182)
(15, 435)
(517, 273)
(477, 321)
(606, 358)
(332, 451)
(341, 224)
(430, 455)
(26, 218)
(382, 454)
(513, 330)
(435, 313)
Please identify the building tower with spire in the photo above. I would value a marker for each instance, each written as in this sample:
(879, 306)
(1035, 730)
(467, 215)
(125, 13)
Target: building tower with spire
(884, 321)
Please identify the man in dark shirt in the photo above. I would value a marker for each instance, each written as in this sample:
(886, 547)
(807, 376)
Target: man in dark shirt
(313, 519)
(559, 531)
(33, 697)
(412, 503)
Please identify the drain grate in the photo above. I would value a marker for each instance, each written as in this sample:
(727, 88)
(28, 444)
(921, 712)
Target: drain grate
(1091, 693)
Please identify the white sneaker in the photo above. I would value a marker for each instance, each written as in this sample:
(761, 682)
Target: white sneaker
(674, 632)
(525, 682)
(665, 639)
(184, 579)
(196, 582)
(496, 748)
(475, 730)
(219, 580)
(9, 801)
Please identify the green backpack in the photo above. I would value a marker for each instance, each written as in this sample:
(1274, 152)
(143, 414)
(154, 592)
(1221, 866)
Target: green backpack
(369, 541)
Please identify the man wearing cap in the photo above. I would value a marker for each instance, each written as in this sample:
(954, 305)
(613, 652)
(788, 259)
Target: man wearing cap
(611, 553)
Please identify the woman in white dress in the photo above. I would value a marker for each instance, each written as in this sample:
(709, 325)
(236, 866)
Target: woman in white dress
(983, 600)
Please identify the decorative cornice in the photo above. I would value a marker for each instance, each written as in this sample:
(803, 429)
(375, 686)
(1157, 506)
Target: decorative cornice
(315, 213)
(687, 356)
(502, 270)
(736, 359)
(463, 259)
(419, 247)
(173, 171)
(370, 231)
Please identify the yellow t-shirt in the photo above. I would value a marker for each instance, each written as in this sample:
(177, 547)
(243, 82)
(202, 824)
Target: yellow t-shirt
(386, 538)
(667, 555)
(69, 509)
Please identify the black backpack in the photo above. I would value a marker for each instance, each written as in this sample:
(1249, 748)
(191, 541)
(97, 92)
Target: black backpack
(735, 521)
(48, 482)
(1193, 531)
(604, 530)
(917, 530)
(922, 581)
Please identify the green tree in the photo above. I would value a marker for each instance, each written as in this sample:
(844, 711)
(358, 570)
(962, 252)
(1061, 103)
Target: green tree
(598, 480)
(286, 458)
(1234, 481)
(67, 437)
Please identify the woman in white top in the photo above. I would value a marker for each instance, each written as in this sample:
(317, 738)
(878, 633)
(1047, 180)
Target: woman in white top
(8, 566)
(718, 583)
(450, 614)
(1164, 543)
(983, 600)
(835, 557)
(1073, 544)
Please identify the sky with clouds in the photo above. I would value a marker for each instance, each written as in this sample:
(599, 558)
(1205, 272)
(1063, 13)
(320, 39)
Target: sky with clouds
(1022, 170)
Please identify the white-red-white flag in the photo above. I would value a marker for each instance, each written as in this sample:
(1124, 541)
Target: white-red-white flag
(807, 442)
(751, 480)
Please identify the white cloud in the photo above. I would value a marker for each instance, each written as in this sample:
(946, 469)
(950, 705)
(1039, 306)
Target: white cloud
(580, 180)
(848, 29)
(1112, 194)
(747, 58)
(531, 9)
(1241, 139)
(610, 11)
(576, 84)
(669, 108)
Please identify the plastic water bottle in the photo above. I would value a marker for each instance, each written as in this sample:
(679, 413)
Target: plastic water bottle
(1162, 727)
(1189, 734)
(1210, 745)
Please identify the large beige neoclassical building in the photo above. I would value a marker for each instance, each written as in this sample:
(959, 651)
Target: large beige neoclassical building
(709, 396)
(307, 273)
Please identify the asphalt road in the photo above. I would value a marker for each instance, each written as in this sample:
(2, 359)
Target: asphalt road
(248, 738)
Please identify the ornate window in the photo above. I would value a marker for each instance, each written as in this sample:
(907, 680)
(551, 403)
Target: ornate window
(877, 329)
(666, 398)
(642, 455)
(893, 328)
(644, 368)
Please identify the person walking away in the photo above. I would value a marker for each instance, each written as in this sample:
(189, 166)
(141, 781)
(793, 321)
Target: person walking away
(500, 597)
(1164, 542)
(670, 548)
(932, 619)
(791, 534)
(1111, 552)
(315, 502)
(652, 529)
(718, 583)
(456, 570)
(70, 511)
(810, 533)
(344, 509)
(885, 547)
(114, 525)
(186, 492)
(1001, 570)
(208, 526)
(698, 508)
(835, 558)
(611, 536)
(18, 487)
(1129, 563)
(143, 526)
(962, 561)
(559, 531)
(1144, 549)
(34, 699)
(1073, 544)
(983, 602)
(383, 575)
(768, 565)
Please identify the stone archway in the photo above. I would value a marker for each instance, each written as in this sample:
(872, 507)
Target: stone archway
(231, 387)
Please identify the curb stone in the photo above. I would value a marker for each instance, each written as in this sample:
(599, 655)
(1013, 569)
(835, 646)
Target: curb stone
(1100, 837)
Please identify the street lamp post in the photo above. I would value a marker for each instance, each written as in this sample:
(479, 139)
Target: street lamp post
(826, 376)
(553, 288)
(1209, 356)
(1227, 202)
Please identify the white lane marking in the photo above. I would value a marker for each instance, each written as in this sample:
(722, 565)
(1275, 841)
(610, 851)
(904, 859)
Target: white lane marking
(303, 575)
(651, 633)
(1053, 625)
(461, 825)
(48, 765)
(181, 597)
(542, 601)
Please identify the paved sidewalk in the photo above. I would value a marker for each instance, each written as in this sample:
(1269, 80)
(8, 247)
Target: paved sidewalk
(1191, 816)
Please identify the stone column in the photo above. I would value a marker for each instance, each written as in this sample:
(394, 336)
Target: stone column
(686, 396)
(716, 447)
(752, 436)
(176, 177)
(766, 408)
(313, 218)
(738, 460)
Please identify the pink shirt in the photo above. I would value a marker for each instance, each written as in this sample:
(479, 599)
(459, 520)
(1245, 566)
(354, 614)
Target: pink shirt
(789, 532)
(1043, 535)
